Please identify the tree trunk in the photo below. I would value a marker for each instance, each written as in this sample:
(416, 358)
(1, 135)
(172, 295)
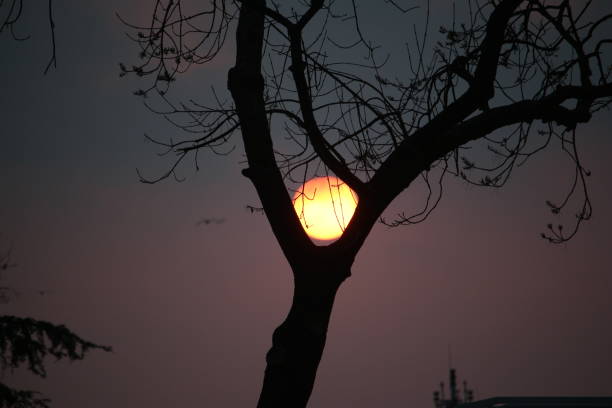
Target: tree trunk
(297, 344)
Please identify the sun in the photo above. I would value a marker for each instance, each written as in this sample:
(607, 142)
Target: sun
(325, 205)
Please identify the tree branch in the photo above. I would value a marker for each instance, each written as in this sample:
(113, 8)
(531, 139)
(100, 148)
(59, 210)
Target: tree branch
(246, 84)
(319, 143)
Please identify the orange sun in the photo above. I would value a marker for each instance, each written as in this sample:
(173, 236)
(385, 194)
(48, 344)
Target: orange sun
(325, 206)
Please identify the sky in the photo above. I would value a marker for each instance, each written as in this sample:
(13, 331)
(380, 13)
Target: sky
(189, 310)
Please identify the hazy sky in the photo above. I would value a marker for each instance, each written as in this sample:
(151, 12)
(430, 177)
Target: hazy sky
(189, 310)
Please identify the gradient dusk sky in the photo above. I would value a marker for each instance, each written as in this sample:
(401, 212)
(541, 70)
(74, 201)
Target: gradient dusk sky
(189, 310)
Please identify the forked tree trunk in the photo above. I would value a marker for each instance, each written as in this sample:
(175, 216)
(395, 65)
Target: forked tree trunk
(297, 344)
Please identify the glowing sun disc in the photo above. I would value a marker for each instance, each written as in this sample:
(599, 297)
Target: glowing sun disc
(325, 205)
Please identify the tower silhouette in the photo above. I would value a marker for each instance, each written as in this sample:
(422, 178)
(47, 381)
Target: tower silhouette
(454, 399)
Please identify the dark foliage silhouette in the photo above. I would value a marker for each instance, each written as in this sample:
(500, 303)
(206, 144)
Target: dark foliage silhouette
(313, 95)
(26, 342)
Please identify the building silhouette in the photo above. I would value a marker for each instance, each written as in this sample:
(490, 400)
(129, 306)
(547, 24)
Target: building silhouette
(464, 398)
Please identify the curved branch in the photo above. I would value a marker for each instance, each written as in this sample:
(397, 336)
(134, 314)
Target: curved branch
(319, 143)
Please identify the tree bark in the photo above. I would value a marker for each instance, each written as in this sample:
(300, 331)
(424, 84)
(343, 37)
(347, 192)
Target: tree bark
(298, 343)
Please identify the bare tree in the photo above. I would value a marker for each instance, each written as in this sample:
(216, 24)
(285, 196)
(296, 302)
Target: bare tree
(507, 81)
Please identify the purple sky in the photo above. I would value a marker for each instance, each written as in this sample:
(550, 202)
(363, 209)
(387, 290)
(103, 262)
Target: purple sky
(189, 310)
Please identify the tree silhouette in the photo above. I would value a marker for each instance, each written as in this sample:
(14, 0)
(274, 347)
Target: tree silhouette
(26, 342)
(514, 78)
